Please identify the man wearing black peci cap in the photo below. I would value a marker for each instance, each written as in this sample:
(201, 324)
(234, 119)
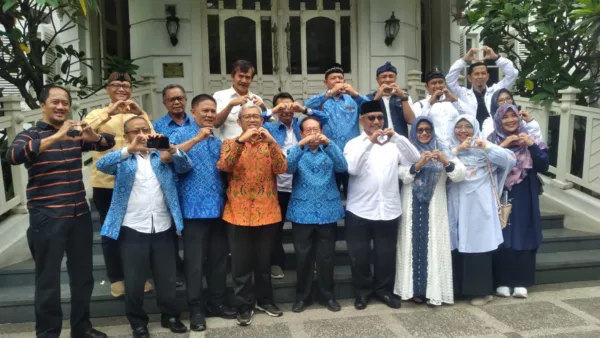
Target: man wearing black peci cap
(395, 102)
(440, 104)
(373, 208)
(341, 104)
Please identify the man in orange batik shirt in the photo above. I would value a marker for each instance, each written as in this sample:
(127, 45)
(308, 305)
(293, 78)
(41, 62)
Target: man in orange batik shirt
(253, 160)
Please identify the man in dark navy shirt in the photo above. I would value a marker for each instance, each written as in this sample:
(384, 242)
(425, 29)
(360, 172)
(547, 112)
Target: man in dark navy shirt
(59, 217)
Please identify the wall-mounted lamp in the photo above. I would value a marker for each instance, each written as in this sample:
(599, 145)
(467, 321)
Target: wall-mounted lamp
(392, 26)
(172, 23)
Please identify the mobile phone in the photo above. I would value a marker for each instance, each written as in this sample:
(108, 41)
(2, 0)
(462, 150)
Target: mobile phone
(519, 107)
(158, 142)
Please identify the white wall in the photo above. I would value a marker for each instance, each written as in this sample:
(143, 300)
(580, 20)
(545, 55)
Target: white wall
(151, 46)
(405, 51)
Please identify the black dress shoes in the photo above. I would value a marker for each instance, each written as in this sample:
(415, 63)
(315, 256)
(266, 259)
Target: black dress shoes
(222, 311)
(390, 300)
(197, 321)
(93, 333)
(300, 306)
(333, 306)
(141, 332)
(360, 302)
(173, 324)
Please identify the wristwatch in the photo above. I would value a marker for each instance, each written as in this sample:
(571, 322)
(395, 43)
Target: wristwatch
(404, 98)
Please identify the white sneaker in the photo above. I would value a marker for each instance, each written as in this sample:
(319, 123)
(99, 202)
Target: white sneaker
(481, 301)
(276, 272)
(520, 293)
(503, 291)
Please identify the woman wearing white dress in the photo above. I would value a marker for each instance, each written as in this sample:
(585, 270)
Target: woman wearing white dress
(424, 263)
(475, 230)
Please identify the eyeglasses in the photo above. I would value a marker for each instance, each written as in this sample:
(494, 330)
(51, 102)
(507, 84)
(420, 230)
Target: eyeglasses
(424, 131)
(505, 101)
(463, 127)
(372, 118)
(312, 131)
(176, 98)
(146, 131)
(251, 117)
(122, 86)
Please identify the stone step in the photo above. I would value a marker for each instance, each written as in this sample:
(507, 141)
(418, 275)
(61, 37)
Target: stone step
(555, 240)
(16, 302)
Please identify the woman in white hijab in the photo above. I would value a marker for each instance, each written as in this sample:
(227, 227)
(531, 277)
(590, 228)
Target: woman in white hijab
(475, 231)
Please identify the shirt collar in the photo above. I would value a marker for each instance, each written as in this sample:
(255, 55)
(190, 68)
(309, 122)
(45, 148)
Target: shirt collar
(234, 94)
(319, 148)
(186, 121)
(43, 125)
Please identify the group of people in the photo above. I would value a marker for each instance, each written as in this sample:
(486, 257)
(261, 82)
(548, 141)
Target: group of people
(421, 202)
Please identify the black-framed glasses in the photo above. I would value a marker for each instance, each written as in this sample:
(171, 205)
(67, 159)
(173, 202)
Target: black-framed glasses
(424, 130)
(372, 118)
(146, 131)
(176, 98)
(118, 85)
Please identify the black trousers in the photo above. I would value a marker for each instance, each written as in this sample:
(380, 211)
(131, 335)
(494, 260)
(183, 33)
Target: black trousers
(310, 241)
(179, 263)
(49, 239)
(384, 234)
(110, 247)
(206, 251)
(473, 274)
(341, 179)
(514, 268)
(278, 254)
(142, 252)
(250, 248)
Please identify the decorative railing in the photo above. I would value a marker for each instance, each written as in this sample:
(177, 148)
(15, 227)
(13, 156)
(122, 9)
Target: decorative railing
(571, 131)
(14, 119)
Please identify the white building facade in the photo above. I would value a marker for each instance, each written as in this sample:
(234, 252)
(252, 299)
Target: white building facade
(291, 42)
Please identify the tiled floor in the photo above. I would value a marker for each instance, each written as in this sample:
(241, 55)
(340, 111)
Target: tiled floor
(569, 310)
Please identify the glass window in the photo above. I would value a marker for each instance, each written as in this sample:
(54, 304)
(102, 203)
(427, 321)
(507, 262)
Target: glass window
(110, 11)
(228, 4)
(346, 50)
(320, 44)
(295, 4)
(330, 4)
(112, 42)
(240, 40)
(267, 45)
(214, 51)
(251, 4)
(295, 59)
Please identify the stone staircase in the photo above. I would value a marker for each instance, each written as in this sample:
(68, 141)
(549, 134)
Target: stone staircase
(565, 256)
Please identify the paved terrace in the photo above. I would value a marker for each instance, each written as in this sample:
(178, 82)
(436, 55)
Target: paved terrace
(570, 310)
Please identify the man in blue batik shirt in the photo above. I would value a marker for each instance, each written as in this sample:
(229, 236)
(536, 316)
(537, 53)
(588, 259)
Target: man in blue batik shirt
(287, 133)
(202, 198)
(341, 104)
(175, 100)
(315, 208)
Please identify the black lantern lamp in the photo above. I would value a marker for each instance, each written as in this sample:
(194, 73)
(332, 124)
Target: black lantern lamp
(172, 24)
(392, 26)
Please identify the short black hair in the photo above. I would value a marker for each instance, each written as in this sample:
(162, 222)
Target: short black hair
(309, 118)
(45, 93)
(201, 98)
(475, 64)
(172, 86)
(243, 66)
(126, 124)
(282, 95)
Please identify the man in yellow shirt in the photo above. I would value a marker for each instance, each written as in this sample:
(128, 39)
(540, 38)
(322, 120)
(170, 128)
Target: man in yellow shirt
(111, 119)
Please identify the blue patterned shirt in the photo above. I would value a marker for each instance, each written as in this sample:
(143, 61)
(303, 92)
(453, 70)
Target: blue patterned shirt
(343, 116)
(166, 125)
(278, 130)
(315, 195)
(201, 190)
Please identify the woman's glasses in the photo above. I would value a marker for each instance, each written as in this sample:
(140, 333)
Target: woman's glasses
(424, 130)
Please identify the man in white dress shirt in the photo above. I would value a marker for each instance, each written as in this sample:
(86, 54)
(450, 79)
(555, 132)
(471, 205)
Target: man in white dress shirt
(373, 208)
(143, 205)
(230, 101)
(479, 97)
(441, 105)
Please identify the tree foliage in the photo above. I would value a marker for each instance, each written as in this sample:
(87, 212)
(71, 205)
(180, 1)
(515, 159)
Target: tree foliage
(558, 37)
(22, 58)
